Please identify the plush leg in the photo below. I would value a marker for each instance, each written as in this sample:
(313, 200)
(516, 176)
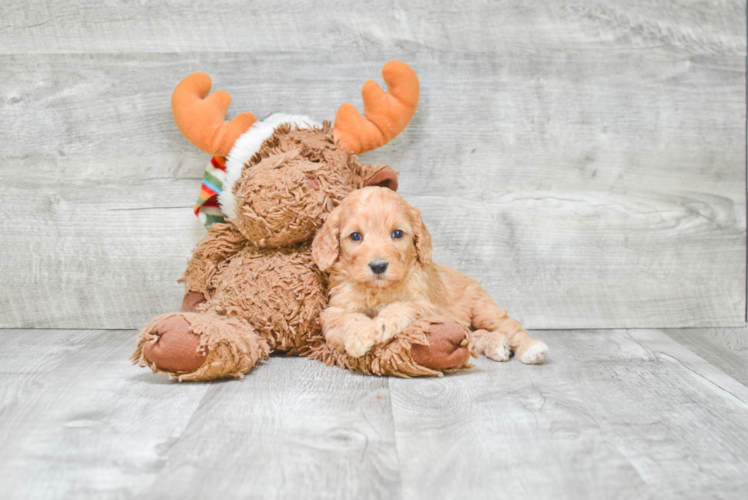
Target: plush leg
(196, 346)
(428, 347)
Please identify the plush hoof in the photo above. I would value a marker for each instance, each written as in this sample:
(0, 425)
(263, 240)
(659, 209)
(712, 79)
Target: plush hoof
(198, 346)
(534, 354)
(176, 348)
(447, 348)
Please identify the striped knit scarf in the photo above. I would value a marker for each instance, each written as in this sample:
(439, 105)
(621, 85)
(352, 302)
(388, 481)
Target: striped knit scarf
(207, 208)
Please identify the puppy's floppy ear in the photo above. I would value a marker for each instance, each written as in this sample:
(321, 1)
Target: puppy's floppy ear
(424, 246)
(379, 175)
(326, 244)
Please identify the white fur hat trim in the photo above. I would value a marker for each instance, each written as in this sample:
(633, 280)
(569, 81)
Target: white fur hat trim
(247, 145)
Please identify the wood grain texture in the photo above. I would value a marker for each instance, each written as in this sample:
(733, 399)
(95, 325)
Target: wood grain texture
(86, 26)
(725, 348)
(588, 189)
(294, 428)
(79, 421)
(97, 253)
(612, 414)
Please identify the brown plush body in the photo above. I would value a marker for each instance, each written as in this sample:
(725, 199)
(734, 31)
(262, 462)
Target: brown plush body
(252, 286)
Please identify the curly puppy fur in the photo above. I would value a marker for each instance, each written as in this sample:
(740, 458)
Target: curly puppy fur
(378, 252)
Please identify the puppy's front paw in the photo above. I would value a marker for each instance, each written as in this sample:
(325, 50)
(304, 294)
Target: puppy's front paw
(392, 320)
(388, 327)
(535, 354)
(357, 347)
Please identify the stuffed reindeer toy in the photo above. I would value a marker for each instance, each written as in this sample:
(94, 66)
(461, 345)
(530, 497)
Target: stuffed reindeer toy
(252, 286)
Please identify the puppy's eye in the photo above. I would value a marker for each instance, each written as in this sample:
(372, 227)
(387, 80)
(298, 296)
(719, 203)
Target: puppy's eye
(397, 234)
(356, 236)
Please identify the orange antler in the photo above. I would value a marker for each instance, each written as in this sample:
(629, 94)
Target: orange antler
(386, 114)
(203, 120)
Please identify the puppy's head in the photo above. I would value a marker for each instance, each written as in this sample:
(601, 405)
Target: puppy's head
(374, 236)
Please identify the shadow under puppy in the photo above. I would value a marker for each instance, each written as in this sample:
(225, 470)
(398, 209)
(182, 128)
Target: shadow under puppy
(378, 253)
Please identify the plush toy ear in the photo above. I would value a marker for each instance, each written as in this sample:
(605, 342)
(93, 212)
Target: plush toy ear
(424, 246)
(326, 244)
(382, 176)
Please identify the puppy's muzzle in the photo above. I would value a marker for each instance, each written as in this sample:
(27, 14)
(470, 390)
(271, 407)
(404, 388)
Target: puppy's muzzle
(378, 266)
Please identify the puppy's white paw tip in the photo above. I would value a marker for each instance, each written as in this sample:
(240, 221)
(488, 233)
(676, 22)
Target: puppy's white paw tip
(535, 354)
(502, 353)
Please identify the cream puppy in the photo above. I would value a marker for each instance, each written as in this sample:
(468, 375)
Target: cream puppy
(378, 253)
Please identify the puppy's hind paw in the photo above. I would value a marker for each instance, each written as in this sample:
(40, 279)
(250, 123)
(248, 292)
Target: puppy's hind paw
(494, 345)
(500, 351)
(535, 354)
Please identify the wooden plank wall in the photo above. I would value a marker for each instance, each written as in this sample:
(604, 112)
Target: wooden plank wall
(584, 160)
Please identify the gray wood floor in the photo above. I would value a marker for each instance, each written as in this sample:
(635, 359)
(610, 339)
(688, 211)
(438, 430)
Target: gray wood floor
(613, 414)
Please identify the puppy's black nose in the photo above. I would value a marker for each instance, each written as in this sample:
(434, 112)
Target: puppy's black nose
(378, 266)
